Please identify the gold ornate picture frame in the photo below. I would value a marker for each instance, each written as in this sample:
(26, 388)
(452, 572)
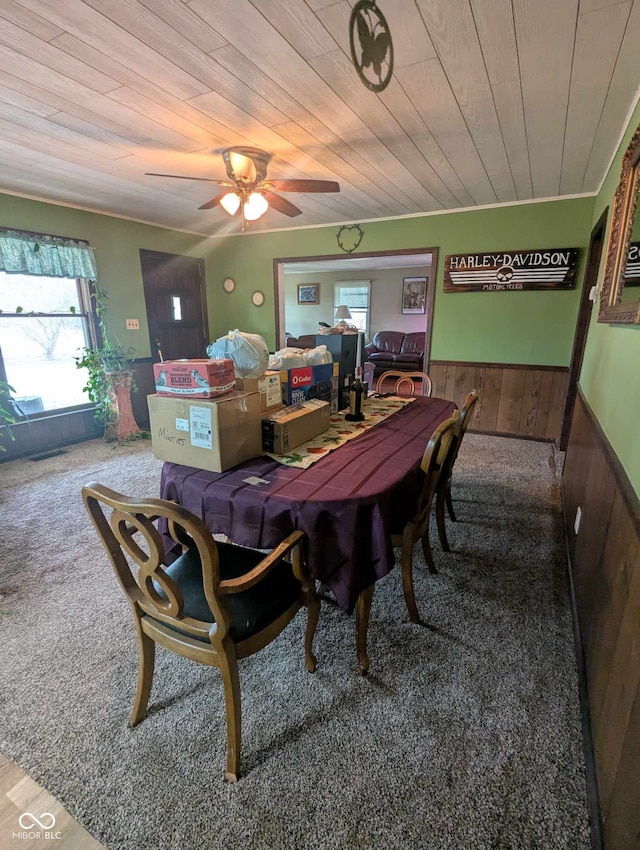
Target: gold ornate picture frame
(625, 206)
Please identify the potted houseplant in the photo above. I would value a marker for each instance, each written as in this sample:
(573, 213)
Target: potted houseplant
(7, 413)
(110, 379)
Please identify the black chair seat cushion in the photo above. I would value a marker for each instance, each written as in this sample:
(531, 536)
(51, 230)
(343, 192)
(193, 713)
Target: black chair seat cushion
(253, 609)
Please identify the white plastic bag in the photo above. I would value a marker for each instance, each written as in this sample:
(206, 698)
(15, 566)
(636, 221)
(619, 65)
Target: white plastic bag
(249, 353)
(287, 358)
(317, 356)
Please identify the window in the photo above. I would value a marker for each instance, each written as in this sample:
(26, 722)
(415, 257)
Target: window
(355, 295)
(43, 324)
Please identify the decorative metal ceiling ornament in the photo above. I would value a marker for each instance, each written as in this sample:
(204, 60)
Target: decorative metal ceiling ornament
(349, 237)
(371, 45)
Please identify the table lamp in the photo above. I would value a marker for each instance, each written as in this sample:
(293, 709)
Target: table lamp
(342, 313)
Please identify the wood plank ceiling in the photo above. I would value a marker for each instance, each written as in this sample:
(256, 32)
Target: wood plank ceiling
(491, 101)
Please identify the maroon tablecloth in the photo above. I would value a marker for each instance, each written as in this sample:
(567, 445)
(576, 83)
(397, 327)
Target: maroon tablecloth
(349, 503)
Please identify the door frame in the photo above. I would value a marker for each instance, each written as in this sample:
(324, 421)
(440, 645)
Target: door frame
(199, 262)
(594, 255)
(278, 287)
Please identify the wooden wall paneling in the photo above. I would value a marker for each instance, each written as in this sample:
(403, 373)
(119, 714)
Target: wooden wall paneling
(544, 402)
(613, 581)
(462, 383)
(559, 389)
(605, 565)
(49, 433)
(450, 386)
(143, 374)
(487, 417)
(623, 681)
(515, 400)
(576, 462)
(438, 375)
(510, 406)
(530, 402)
(596, 512)
(622, 818)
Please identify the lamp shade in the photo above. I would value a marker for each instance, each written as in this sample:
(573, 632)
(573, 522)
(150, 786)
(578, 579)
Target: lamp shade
(343, 312)
(230, 203)
(255, 206)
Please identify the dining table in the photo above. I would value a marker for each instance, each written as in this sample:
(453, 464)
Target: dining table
(349, 503)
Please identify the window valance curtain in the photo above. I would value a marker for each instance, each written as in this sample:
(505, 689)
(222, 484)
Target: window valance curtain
(47, 256)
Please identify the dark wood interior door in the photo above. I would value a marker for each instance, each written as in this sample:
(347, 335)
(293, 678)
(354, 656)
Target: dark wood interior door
(175, 297)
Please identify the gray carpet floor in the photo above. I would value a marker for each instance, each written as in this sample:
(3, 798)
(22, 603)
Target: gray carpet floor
(466, 733)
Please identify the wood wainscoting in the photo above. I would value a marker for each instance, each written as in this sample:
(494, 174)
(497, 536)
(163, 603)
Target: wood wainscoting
(515, 400)
(605, 568)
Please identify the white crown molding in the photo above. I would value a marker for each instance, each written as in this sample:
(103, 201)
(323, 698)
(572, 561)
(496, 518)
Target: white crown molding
(478, 208)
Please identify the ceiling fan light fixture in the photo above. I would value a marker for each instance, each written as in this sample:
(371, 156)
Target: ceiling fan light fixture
(255, 206)
(230, 203)
(247, 165)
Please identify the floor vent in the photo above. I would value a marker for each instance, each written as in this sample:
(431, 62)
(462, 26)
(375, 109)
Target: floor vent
(48, 455)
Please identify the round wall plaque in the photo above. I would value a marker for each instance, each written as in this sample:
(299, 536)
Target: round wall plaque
(228, 284)
(371, 45)
(258, 298)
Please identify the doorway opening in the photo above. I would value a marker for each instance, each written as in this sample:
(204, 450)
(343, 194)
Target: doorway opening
(381, 274)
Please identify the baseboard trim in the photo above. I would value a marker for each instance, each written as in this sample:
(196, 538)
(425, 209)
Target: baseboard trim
(513, 436)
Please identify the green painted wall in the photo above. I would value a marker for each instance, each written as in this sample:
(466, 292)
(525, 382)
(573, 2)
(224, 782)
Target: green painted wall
(610, 376)
(504, 327)
(116, 243)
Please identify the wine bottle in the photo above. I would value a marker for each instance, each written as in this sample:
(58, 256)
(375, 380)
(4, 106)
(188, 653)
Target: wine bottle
(356, 392)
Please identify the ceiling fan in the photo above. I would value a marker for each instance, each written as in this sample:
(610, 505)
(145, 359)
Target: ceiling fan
(248, 189)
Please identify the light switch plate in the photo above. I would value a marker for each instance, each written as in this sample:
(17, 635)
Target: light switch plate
(133, 324)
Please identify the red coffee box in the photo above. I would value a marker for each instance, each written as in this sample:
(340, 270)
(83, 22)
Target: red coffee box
(194, 378)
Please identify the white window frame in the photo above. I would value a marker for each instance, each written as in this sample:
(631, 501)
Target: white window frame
(85, 312)
(339, 286)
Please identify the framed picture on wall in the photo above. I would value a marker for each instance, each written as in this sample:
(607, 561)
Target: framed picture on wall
(308, 293)
(414, 294)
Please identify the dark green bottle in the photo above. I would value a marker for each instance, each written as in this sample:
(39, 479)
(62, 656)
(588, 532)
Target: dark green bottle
(356, 393)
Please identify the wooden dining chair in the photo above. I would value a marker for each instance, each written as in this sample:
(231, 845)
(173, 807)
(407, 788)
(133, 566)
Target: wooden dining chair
(444, 485)
(418, 383)
(214, 604)
(418, 527)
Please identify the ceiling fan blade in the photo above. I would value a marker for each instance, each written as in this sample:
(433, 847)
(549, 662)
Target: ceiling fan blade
(280, 204)
(183, 177)
(303, 185)
(213, 202)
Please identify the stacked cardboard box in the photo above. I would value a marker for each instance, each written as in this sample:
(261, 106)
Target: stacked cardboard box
(194, 378)
(284, 431)
(268, 387)
(214, 434)
(311, 382)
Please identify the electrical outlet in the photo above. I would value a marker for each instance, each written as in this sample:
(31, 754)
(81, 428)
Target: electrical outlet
(133, 324)
(576, 524)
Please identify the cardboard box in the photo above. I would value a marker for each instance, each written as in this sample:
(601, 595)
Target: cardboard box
(194, 378)
(214, 434)
(268, 386)
(309, 382)
(292, 426)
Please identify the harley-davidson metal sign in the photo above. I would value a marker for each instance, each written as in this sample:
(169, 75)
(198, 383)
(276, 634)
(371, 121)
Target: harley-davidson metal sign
(632, 269)
(502, 271)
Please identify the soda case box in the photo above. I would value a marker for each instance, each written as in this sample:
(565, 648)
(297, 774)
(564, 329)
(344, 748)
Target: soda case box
(214, 434)
(194, 378)
(268, 386)
(284, 431)
(309, 382)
